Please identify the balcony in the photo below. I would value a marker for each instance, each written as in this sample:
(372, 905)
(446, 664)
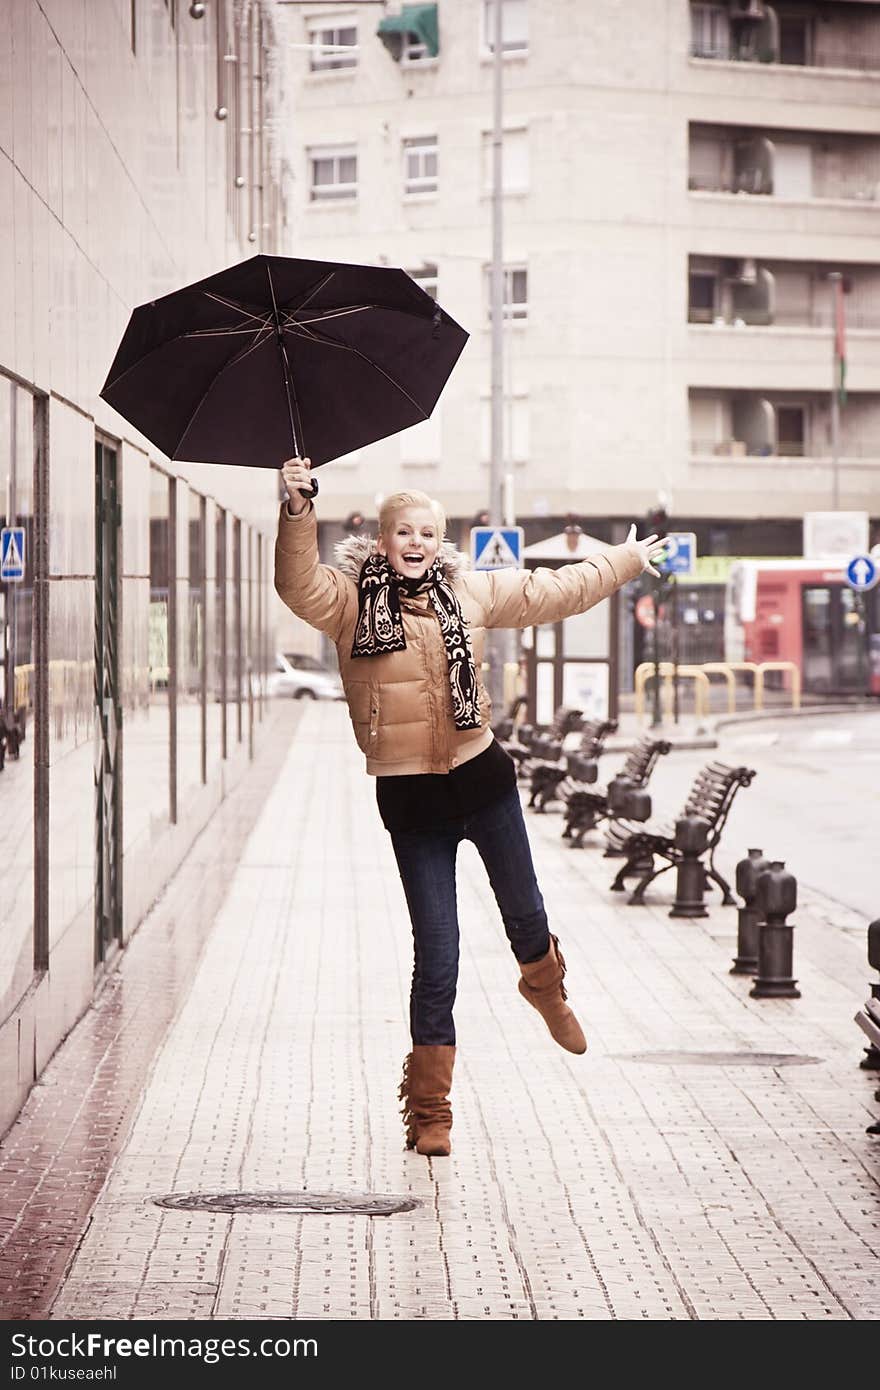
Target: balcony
(800, 36)
(802, 165)
(789, 426)
(756, 322)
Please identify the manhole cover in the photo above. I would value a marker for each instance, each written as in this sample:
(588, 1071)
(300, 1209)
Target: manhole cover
(324, 1203)
(721, 1059)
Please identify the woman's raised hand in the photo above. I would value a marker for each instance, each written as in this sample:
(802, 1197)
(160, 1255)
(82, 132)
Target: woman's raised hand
(651, 548)
(297, 474)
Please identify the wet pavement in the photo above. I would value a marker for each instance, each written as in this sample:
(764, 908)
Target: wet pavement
(707, 1158)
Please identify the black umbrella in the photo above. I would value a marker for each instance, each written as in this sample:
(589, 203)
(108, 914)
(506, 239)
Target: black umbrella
(278, 357)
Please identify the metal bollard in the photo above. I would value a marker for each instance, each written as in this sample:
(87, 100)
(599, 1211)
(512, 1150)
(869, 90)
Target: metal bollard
(871, 1059)
(691, 837)
(776, 897)
(745, 962)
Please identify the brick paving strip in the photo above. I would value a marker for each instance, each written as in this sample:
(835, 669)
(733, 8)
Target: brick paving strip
(598, 1187)
(55, 1158)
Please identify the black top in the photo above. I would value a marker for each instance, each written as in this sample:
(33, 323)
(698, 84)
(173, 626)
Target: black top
(426, 799)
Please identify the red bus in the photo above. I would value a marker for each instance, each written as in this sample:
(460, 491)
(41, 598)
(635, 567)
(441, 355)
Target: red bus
(804, 611)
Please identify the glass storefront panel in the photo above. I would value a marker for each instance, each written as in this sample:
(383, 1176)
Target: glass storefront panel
(190, 551)
(71, 668)
(215, 516)
(145, 705)
(155, 770)
(235, 639)
(16, 679)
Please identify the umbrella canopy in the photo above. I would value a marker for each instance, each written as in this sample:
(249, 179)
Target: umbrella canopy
(278, 357)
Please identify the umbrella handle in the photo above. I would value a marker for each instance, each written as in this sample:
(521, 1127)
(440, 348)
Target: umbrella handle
(310, 491)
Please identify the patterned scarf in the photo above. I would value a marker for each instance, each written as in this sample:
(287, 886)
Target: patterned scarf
(380, 627)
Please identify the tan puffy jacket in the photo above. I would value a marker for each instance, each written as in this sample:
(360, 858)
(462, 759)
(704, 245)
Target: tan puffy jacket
(400, 702)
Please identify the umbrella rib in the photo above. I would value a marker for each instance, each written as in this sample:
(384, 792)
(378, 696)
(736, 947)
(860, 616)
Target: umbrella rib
(346, 347)
(223, 332)
(233, 361)
(239, 308)
(330, 314)
(179, 338)
(316, 289)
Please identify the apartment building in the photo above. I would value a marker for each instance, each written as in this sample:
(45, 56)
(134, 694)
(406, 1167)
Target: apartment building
(139, 151)
(679, 180)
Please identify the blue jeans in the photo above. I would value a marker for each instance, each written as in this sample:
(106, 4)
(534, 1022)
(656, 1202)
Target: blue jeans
(426, 860)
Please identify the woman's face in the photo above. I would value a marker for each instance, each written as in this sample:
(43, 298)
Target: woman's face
(414, 541)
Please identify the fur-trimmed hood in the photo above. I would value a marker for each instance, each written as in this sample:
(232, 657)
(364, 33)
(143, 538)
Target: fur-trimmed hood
(353, 551)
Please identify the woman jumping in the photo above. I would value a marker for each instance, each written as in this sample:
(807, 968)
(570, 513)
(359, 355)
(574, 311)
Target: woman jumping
(409, 621)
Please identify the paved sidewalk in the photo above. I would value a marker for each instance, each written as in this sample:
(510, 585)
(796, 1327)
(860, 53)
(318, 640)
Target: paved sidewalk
(616, 1185)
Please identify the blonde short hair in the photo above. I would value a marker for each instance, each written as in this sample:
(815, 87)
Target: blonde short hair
(399, 500)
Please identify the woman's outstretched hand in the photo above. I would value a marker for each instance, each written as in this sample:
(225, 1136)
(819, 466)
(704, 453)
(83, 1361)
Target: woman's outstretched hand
(651, 548)
(296, 474)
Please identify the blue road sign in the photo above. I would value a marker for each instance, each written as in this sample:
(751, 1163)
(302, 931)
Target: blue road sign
(12, 554)
(496, 547)
(681, 553)
(862, 573)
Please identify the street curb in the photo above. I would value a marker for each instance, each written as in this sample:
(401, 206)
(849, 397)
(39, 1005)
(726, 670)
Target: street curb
(685, 744)
(805, 712)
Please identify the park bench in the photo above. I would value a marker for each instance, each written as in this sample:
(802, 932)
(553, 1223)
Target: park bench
(533, 741)
(586, 806)
(13, 724)
(558, 772)
(711, 797)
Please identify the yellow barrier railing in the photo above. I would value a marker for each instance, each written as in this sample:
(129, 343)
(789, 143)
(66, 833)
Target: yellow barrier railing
(793, 670)
(728, 670)
(700, 676)
(645, 673)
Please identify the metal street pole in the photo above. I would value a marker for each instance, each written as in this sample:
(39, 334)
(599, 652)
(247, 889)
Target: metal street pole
(673, 601)
(656, 720)
(496, 644)
(835, 277)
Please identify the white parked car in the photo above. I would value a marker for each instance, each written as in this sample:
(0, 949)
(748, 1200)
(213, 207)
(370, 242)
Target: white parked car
(304, 677)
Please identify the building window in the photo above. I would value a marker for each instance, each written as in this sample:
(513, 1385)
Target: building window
(702, 296)
(329, 44)
(426, 279)
(796, 40)
(514, 161)
(333, 173)
(516, 292)
(412, 50)
(514, 26)
(710, 31)
(420, 165)
(791, 430)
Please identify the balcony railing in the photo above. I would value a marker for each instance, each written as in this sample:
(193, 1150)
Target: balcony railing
(862, 61)
(794, 318)
(742, 448)
(751, 184)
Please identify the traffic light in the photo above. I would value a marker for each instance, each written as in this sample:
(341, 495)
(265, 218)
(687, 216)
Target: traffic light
(354, 523)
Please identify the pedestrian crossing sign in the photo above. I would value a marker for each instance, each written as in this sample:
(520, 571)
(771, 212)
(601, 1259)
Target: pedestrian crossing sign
(12, 554)
(496, 547)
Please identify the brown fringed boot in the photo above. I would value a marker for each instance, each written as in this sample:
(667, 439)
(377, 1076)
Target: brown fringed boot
(424, 1090)
(541, 984)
